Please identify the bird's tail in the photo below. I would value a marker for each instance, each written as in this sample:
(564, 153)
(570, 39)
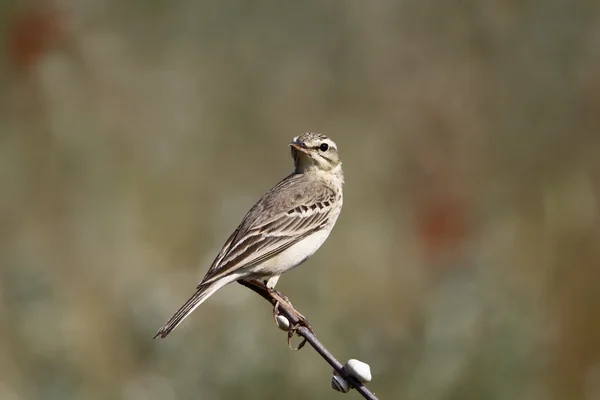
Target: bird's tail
(198, 298)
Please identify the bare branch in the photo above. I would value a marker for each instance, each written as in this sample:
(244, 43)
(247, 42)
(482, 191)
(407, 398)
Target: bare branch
(311, 338)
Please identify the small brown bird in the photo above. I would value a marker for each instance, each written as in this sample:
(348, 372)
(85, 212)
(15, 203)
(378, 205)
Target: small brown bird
(285, 228)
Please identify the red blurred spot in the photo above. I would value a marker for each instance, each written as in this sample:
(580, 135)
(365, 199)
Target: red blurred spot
(442, 224)
(33, 32)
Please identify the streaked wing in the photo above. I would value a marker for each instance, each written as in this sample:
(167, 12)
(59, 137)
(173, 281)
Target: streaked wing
(270, 228)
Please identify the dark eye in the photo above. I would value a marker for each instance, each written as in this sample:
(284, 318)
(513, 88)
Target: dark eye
(323, 147)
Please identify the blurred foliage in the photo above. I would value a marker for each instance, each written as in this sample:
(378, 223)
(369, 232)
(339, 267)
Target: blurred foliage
(135, 135)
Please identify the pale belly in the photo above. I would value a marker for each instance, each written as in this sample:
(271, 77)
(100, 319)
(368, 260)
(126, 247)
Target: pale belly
(293, 256)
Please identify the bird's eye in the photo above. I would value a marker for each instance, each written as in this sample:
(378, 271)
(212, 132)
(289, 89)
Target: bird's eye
(323, 147)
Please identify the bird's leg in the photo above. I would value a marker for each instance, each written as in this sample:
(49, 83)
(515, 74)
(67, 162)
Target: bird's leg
(270, 285)
(281, 300)
(282, 296)
(292, 329)
(276, 311)
(277, 297)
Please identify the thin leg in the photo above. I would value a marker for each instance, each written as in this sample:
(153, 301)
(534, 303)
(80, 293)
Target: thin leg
(275, 295)
(281, 301)
(270, 284)
(272, 281)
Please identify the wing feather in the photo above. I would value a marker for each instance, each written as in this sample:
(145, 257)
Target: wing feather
(269, 234)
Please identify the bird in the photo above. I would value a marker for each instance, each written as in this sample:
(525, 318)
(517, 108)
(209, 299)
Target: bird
(283, 229)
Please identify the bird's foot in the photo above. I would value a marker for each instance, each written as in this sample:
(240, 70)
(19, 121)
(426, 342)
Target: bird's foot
(281, 301)
(301, 321)
(282, 296)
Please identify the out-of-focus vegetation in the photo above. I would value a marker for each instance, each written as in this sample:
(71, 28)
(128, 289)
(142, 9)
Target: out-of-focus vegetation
(134, 135)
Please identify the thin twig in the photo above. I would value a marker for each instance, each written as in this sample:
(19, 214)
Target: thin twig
(312, 339)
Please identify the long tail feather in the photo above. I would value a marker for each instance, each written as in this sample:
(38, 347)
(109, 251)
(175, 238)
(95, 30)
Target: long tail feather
(198, 298)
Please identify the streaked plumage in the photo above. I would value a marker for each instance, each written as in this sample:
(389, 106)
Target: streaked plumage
(287, 225)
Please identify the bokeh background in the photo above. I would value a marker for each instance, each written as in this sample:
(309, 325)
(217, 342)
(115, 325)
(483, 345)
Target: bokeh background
(134, 135)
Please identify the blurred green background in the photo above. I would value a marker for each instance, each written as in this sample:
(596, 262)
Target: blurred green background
(134, 135)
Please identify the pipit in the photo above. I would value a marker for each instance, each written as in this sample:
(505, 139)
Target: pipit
(282, 230)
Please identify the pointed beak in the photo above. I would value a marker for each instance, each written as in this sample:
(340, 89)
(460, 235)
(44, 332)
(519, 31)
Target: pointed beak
(300, 147)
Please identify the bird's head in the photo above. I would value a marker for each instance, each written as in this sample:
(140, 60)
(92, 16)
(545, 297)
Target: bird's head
(315, 152)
